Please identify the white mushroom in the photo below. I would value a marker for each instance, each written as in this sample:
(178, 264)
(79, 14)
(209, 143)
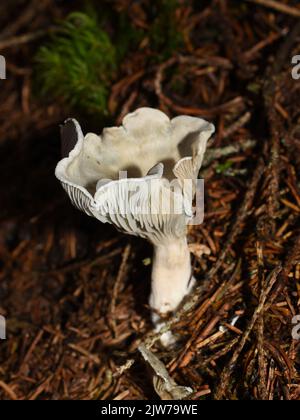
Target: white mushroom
(151, 150)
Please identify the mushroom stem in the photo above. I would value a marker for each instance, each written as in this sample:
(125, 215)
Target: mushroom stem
(171, 277)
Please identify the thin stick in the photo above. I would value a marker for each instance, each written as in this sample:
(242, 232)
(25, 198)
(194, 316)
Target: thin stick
(280, 7)
(241, 217)
(8, 391)
(226, 374)
(120, 276)
(98, 260)
(26, 16)
(243, 120)
(221, 152)
(23, 39)
(262, 386)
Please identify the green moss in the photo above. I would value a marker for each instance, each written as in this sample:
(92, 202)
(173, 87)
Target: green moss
(81, 59)
(223, 167)
(78, 64)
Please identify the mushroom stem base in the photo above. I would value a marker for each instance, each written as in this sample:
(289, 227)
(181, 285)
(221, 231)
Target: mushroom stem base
(171, 277)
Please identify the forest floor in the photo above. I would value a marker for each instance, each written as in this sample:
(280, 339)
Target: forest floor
(74, 292)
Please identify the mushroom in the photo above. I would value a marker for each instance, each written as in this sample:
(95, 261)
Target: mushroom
(134, 177)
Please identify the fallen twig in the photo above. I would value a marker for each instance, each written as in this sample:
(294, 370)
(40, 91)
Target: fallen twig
(12, 395)
(164, 385)
(23, 39)
(280, 7)
(121, 274)
(221, 152)
(225, 376)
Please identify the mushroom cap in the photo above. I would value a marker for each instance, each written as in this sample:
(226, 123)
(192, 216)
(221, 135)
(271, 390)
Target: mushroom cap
(153, 150)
